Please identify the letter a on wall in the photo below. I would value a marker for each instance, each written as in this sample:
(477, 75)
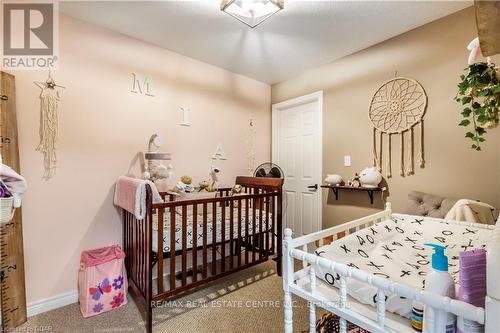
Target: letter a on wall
(219, 153)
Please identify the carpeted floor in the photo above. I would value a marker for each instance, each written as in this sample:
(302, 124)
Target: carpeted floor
(248, 301)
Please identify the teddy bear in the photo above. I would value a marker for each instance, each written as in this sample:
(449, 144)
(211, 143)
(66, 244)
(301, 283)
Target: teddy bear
(237, 189)
(205, 185)
(184, 185)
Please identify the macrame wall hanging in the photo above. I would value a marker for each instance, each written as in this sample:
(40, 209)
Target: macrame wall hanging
(49, 119)
(396, 109)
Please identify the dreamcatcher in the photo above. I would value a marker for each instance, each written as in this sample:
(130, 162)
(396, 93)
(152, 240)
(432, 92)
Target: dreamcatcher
(397, 107)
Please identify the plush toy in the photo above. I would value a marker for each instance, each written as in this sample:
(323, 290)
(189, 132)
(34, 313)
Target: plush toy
(474, 51)
(333, 179)
(186, 180)
(370, 177)
(237, 189)
(355, 182)
(184, 185)
(203, 185)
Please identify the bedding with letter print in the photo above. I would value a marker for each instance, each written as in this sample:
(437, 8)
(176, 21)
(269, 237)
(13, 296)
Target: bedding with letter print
(393, 249)
(246, 225)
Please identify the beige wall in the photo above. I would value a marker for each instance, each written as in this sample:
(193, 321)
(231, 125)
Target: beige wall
(103, 128)
(435, 56)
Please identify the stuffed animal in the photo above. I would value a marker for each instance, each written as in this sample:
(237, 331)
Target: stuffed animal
(355, 182)
(237, 189)
(203, 185)
(333, 179)
(186, 180)
(184, 185)
(370, 177)
(474, 51)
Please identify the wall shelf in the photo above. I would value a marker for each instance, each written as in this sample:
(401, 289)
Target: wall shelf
(370, 190)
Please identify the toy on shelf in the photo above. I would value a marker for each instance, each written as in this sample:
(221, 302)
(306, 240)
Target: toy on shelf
(370, 177)
(332, 179)
(354, 181)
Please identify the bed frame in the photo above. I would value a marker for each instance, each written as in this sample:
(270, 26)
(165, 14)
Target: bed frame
(208, 259)
(303, 283)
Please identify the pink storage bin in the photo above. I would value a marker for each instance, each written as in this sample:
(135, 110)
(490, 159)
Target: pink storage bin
(102, 280)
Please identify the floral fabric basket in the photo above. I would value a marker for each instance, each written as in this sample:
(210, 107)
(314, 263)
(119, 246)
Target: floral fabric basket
(102, 280)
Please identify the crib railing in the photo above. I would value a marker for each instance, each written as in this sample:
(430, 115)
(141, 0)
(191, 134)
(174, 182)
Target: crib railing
(237, 232)
(297, 249)
(137, 236)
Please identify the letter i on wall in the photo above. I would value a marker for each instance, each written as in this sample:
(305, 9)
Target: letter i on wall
(185, 116)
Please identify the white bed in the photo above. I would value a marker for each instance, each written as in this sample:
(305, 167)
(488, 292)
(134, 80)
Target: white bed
(375, 280)
(393, 249)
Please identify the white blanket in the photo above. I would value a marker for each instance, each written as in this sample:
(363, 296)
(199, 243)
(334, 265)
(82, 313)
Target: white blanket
(394, 249)
(472, 211)
(13, 182)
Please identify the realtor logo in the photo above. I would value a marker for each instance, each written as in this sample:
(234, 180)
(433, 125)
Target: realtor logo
(29, 38)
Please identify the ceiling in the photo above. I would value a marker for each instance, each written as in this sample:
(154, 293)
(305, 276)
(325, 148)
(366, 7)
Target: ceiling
(306, 34)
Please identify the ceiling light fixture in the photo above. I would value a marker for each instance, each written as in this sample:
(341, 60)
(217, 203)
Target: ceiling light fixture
(252, 12)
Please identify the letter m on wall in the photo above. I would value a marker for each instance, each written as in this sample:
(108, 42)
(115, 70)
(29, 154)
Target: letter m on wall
(142, 85)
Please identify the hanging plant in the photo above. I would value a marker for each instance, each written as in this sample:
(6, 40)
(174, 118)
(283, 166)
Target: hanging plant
(479, 93)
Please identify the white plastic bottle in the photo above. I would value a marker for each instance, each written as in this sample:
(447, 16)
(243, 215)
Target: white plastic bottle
(440, 282)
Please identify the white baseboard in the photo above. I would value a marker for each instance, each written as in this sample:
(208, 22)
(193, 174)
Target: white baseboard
(52, 303)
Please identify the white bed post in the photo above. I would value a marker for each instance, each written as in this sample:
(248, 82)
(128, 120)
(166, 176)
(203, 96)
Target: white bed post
(287, 280)
(304, 263)
(388, 208)
(492, 304)
(381, 307)
(343, 301)
(312, 306)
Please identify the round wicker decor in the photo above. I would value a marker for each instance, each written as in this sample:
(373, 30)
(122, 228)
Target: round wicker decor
(397, 105)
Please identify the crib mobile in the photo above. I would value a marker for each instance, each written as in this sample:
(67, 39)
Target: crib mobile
(156, 171)
(396, 108)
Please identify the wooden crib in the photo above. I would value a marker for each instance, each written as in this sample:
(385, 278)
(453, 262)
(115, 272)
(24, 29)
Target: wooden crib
(210, 238)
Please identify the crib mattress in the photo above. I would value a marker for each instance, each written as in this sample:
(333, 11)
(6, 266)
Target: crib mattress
(394, 249)
(210, 228)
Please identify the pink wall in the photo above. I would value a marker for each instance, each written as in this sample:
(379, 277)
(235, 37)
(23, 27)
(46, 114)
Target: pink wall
(103, 128)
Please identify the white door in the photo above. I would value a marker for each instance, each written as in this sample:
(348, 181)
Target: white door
(297, 148)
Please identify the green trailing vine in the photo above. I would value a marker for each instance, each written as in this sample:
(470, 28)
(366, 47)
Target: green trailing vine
(479, 93)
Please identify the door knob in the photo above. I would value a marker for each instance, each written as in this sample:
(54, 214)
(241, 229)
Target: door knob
(4, 97)
(313, 187)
